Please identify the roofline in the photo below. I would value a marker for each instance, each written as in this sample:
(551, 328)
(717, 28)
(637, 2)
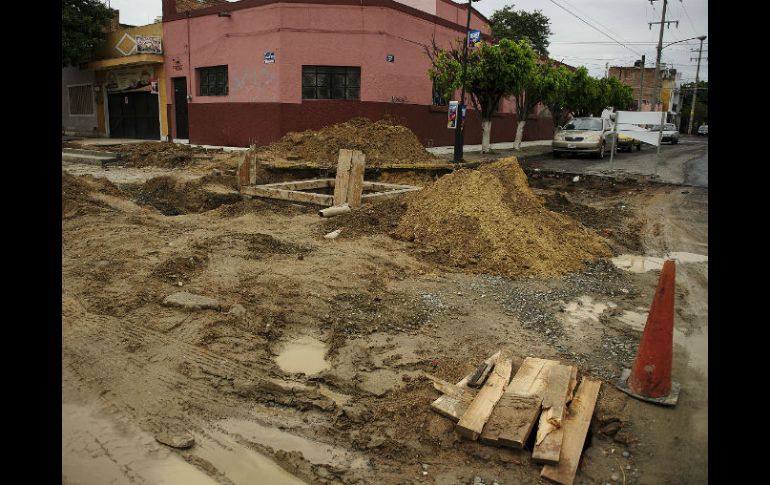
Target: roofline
(170, 14)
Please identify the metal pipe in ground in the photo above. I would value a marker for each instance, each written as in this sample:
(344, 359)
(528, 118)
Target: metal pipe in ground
(334, 211)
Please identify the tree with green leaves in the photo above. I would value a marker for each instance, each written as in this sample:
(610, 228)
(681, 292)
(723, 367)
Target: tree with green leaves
(555, 95)
(547, 86)
(493, 73)
(82, 24)
(581, 93)
(519, 25)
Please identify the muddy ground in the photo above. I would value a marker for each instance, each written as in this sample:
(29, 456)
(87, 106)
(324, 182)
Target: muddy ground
(311, 370)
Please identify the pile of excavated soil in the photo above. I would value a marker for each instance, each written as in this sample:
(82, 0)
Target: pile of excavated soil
(77, 194)
(382, 141)
(489, 221)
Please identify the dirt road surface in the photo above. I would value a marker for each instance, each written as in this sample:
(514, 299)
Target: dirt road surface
(310, 368)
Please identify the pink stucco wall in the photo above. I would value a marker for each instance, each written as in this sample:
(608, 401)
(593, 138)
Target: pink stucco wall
(307, 34)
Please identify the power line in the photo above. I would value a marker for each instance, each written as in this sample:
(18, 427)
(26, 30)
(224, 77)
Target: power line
(593, 19)
(610, 43)
(596, 29)
(688, 18)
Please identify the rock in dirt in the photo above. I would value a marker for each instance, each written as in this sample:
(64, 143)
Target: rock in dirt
(489, 221)
(237, 310)
(333, 234)
(190, 301)
(177, 439)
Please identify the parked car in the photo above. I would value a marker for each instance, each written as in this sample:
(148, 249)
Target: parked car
(584, 135)
(626, 143)
(670, 133)
(703, 130)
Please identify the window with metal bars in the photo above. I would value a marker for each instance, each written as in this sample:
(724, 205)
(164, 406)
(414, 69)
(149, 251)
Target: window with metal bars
(331, 82)
(81, 100)
(212, 81)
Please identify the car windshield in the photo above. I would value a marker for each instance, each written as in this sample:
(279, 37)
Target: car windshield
(584, 124)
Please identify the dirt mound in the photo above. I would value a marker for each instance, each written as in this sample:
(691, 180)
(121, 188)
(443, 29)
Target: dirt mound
(489, 221)
(381, 141)
(76, 193)
(174, 197)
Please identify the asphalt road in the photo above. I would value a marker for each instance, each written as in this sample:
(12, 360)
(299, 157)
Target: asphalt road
(683, 164)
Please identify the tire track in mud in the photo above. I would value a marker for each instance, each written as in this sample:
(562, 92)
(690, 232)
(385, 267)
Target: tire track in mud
(188, 372)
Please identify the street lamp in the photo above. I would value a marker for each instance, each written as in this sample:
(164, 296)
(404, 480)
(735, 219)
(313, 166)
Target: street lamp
(461, 108)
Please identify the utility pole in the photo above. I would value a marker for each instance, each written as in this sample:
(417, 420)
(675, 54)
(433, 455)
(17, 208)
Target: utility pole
(459, 132)
(641, 84)
(656, 95)
(695, 91)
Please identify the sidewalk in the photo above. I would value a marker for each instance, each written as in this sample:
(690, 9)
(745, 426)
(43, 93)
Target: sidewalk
(446, 150)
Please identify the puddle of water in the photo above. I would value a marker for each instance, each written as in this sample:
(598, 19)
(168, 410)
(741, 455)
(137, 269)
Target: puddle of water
(641, 264)
(313, 451)
(305, 355)
(95, 450)
(584, 308)
(241, 465)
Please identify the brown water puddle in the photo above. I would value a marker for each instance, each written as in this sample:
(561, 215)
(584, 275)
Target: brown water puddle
(96, 450)
(313, 451)
(304, 355)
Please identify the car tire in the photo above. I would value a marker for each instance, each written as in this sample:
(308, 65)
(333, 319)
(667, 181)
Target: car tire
(676, 140)
(638, 148)
(556, 154)
(600, 155)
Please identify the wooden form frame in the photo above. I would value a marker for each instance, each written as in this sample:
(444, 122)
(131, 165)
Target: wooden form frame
(293, 191)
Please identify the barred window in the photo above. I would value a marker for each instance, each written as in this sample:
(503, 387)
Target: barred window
(212, 81)
(331, 82)
(439, 99)
(81, 100)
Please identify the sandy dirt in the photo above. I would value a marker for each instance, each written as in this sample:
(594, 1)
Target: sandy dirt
(312, 369)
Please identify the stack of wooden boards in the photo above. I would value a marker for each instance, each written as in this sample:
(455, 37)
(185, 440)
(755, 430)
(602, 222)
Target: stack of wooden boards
(503, 411)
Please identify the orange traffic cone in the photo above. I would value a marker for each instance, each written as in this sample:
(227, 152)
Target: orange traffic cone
(650, 377)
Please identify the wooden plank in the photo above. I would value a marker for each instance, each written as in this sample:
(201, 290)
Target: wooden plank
(251, 156)
(300, 184)
(481, 374)
(452, 407)
(356, 182)
(475, 417)
(388, 194)
(342, 180)
(381, 186)
(516, 413)
(575, 428)
(451, 389)
(549, 431)
(292, 195)
(243, 171)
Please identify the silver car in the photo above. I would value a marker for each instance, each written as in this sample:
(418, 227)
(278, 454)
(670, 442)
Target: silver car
(584, 135)
(670, 133)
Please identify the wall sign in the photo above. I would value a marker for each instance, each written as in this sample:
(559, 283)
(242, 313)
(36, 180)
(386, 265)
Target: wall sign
(138, 79)
(474, 38)
(148, 44)
(269, 57)
(452, 115)
(390, 58)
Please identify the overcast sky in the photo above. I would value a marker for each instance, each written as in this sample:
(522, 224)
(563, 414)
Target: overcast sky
(574, 42)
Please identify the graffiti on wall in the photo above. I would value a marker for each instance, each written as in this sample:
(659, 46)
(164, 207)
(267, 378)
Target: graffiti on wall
(251, 83)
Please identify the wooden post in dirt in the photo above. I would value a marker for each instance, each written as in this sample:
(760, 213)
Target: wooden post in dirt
(243, 171)
(342, 180)
(356, 184)
(252, 156)
(349, 182)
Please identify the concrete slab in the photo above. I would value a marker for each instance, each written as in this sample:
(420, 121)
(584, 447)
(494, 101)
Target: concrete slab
(89, 157)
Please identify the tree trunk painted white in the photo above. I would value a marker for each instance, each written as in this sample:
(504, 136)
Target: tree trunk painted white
(519, 135)
(486, 130)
